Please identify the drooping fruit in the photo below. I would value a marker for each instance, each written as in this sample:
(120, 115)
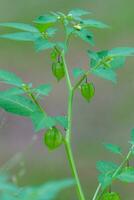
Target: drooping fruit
(87, 91)
(58, 70)
(110, 196)
(53, 138)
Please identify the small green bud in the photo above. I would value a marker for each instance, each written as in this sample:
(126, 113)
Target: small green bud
(53, 138)
(87, 91)
(58, 70)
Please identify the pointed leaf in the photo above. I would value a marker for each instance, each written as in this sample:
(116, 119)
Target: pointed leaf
(20, 26)
(105, 180)
(107, 74)
(10, 78)
(79, 12)
(122, 51)
(46, 19)
(43, 89)
(93, 23)
(21, 36)
(12, 91)
(104, 166)
(113, 148)
(127, 175)
(18, 105)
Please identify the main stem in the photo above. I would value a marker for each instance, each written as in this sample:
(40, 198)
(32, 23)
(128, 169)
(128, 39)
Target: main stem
(68, 132)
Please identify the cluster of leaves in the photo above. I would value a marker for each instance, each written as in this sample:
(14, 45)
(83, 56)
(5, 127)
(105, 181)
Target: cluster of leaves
(48, 191)
(110, 171)
(20, 99)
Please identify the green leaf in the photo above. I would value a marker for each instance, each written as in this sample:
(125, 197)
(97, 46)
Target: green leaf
(62, 121)
(78, 12)
(110, 196)
(42, 44)
(93, 23)
(113, 148)
(51, 31)
(21, 36)
(127, 175)
(43, 89)
(85, 35)
(105, 167)
(18, 105)
(41, 121)
(121, 51)
(77, 72)
(132, 135)
(10, 78)
(46, 19)
(105, 180)
(48, 191)
(12, 91)
(107, 74)
(20, 26)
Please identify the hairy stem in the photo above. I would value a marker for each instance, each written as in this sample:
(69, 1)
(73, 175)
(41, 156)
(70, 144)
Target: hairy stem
(68, 132)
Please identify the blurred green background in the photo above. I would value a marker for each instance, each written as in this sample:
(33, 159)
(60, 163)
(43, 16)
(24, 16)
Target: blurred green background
(108, 118)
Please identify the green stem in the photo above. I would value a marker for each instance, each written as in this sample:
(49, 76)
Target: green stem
(95, 197)
(68, 132)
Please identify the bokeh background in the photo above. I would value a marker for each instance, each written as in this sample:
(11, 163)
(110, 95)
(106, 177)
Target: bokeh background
(108, 118)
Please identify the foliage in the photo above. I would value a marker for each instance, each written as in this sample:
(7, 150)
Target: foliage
(23, 99)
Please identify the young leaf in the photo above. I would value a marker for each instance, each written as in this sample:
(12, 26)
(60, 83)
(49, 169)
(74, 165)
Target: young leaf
(105, 167)
(44, 89)
(46, 19)
(77, 72)
(10, 78)
(113, 148)
(78, 12)
(18, 105)
(121, 51)
(107, 74)
(41, 121)
(127, 175)
(93, 23)
(62, 121)
(20, 26)
(110, 196)
(21, 36)
(42, 44)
